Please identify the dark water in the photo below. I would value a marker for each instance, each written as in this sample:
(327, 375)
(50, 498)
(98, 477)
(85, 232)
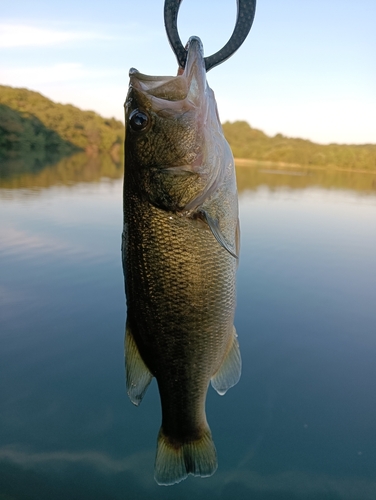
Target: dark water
(301, 424)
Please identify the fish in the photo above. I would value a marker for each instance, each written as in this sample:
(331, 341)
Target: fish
(180, 248)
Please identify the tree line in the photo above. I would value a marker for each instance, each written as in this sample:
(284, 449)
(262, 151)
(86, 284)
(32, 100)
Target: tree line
(31, 123)
(35, 127)
(248, 142)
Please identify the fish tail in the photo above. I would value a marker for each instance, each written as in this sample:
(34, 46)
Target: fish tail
(174, 461)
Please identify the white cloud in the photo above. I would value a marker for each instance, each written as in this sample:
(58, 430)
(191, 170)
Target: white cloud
(22, 35)
(97, 89)
(31, 75)
(107, 99)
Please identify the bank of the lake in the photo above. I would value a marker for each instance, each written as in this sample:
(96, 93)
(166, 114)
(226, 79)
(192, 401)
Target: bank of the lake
(40, 132)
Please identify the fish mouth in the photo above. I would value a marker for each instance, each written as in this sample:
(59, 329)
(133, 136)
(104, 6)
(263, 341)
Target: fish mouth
(194, 70)
(186, 102)
(190, 82)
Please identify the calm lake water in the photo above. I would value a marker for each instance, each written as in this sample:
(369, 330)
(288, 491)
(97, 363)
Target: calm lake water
(301, 423)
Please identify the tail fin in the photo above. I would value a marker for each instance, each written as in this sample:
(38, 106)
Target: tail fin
(174, 462)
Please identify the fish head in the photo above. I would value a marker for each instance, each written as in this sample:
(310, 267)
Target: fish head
(174, 145)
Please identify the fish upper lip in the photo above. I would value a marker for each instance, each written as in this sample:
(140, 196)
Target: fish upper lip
(193, 77)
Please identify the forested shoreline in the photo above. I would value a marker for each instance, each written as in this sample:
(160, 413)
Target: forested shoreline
(251, 143)
(43, 132)
(32, 124)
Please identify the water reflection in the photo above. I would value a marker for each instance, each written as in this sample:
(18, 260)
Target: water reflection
(68, 171)
(250, 175)
(301, 422)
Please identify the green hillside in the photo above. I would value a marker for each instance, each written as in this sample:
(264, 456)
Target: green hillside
(31, 122)
(247, 142)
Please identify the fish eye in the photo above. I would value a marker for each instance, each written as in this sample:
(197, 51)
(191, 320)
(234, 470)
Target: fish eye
(138, 120)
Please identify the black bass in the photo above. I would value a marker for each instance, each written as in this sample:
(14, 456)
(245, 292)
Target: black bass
(180, 250)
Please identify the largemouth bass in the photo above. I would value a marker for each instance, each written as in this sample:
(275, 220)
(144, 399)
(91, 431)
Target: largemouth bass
(180, 250)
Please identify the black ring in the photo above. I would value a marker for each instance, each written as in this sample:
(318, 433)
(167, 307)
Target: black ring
(244, 20)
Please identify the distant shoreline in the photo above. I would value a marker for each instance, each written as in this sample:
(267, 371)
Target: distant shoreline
(36, 128)
(247, 162)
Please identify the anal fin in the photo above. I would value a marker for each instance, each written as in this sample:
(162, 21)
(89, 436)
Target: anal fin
(138, 377)
(230, 370)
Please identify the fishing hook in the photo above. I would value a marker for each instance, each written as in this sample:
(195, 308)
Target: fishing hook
(244, 20)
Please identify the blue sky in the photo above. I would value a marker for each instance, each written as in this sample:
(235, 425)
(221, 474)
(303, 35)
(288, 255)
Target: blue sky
(307, 69)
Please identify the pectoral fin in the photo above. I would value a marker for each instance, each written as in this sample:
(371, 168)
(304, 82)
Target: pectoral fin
(138, 377)
(215, 229)
(229, 372)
